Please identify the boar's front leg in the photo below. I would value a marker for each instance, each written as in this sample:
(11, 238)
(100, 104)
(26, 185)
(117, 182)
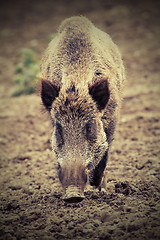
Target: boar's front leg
(97, 172)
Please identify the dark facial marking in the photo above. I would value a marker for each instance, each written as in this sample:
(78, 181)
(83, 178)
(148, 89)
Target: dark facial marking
(110, 131)
(97, 174)
(60, 175)
(91, 131)
(59, 135)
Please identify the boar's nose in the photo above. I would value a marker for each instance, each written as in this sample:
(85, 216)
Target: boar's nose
(73, 195)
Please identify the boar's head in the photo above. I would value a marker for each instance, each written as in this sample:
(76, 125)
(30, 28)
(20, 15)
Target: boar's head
(78, 140)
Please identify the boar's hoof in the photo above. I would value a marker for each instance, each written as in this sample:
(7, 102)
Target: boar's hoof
(73, 195)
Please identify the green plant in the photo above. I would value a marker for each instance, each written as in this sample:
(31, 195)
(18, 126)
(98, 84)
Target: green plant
(26, 72)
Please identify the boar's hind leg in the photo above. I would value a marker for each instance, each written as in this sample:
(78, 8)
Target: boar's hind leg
(97, 174)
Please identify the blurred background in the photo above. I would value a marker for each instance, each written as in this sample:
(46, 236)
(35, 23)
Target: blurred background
(27, 26)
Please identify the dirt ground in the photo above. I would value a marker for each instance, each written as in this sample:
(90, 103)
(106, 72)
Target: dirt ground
(30, 194)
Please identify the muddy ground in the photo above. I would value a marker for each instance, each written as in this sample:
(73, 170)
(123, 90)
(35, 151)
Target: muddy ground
(30, 201)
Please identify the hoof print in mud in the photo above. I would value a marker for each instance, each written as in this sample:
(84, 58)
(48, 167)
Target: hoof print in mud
(123, 187)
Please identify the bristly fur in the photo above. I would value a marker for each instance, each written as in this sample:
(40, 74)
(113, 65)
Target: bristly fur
(74, 105)
(82, 92)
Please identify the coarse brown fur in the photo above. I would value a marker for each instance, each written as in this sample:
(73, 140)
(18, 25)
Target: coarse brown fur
(86, 76)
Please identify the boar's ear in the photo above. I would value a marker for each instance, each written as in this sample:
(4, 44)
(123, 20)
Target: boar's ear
(48, 93)
(100, 93)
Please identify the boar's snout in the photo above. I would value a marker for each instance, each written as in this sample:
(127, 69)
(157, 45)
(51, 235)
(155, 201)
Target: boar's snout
(73, 177)
(73, 195)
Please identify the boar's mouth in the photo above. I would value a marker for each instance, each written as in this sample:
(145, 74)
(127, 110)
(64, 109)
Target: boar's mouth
(73, 199)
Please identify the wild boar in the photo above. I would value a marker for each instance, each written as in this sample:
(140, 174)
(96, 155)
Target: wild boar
(81, 87)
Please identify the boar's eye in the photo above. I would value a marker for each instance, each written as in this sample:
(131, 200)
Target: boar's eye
(91, 131)
(90, 166)
(59, 135)
(58, 166)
